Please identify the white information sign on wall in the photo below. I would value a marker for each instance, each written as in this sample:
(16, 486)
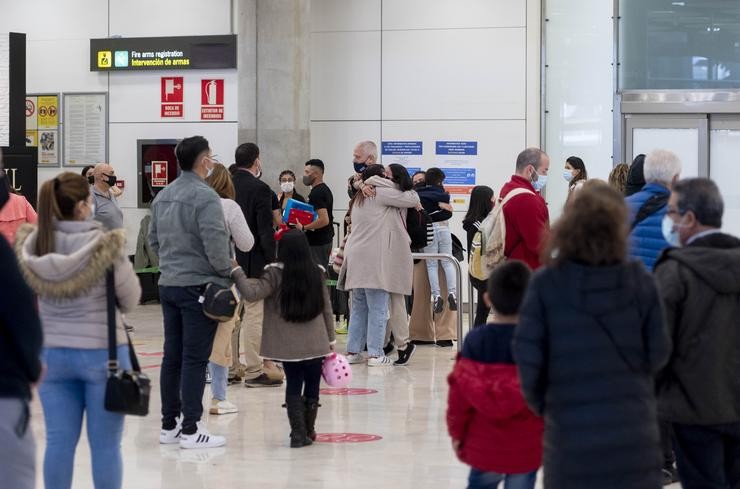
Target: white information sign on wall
(85, 128)
(459, 161)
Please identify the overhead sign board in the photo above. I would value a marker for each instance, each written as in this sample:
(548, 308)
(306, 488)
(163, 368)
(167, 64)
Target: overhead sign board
(163, 53)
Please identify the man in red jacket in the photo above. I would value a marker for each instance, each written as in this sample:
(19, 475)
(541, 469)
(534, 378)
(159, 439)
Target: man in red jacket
(526, 215)
(492, 428)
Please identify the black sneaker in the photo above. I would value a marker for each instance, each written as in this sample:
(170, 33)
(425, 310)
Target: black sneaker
(262, 381)
(439, 305)
(452, 302)
(444, 343)
(405, 355)
(670, 475)
(388, 348)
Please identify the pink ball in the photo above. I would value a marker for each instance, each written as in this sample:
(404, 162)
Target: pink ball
(336, 370)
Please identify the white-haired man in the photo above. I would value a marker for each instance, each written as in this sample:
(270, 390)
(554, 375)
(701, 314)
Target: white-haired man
(364, 155)
(648, 206)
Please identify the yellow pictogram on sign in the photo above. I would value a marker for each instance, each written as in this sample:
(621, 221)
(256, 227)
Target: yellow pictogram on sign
(104, 59)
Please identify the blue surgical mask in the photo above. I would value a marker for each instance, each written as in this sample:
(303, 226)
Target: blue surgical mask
(568, 175)
(540, 183)
(670, 233)
(359, 167)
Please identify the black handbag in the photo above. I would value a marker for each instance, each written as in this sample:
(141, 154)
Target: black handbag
(127, 391)
(219, 302)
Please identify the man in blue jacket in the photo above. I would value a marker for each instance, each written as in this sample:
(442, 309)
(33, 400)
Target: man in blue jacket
(648, 206)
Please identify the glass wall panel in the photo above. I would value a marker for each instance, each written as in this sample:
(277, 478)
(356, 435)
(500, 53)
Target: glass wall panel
(679, 44)
(724, 148)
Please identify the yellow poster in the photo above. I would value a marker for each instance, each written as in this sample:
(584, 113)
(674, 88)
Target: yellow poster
(48, 112)
(32, 137)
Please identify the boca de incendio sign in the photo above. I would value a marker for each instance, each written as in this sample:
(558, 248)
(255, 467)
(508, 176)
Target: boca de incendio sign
(163, 53)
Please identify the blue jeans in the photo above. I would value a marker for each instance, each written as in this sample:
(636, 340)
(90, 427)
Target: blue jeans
(219, 380)
(491, 480)
(367, 321)
(75, 385)
(442, 244)
(188, 342)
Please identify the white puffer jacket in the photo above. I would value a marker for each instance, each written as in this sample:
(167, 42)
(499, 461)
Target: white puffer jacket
(70, 282)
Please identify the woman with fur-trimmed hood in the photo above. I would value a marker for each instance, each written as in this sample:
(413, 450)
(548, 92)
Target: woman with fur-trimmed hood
(65, 261)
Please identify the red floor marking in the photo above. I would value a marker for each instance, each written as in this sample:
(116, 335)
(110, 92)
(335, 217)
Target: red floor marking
(154, 354)
(150, 366)
(346, 438)
(345, 391)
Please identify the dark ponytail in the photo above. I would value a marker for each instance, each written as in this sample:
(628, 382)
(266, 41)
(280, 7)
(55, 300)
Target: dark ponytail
(57, 200)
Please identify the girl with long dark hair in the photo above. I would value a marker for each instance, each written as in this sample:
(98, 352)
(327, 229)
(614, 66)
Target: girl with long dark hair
(481, 203)
(298, 327)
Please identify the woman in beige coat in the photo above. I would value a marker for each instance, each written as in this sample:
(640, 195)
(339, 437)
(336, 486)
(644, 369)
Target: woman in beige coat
(377, 262)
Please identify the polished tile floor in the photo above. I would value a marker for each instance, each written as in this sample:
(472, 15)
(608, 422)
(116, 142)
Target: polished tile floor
(405, 409)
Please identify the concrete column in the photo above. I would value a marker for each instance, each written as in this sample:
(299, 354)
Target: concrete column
(246, 29)
(274, 96)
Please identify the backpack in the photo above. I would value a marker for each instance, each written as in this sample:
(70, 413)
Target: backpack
(420, 229)
(487, 248)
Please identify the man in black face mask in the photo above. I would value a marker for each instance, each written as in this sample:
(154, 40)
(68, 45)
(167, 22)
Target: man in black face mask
(107, 210)
(320, 232)
(364, 155)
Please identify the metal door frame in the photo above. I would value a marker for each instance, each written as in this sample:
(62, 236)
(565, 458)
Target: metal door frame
(670, 121)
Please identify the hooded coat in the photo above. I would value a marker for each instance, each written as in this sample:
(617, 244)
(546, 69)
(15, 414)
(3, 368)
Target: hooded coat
(588, 346)
(70, 282)
(700, 289)
(486, 411)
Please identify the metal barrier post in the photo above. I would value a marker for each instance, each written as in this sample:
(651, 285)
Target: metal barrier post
(471, 305)
(458, 282)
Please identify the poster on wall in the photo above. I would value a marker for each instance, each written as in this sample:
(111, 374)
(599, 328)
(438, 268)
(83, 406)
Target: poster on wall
(406, 153)
(172, 96)
(42, 127)
(212, 100)
(85, 128)
(459, 161)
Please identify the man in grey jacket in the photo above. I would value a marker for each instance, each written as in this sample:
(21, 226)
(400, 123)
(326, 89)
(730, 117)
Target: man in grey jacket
(189, 234)
(699, 284)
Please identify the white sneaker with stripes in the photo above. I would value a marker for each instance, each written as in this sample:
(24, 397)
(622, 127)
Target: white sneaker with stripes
(201, 439)
(380, 362)
(171, 437)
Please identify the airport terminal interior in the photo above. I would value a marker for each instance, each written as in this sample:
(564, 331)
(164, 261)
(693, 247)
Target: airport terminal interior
(295, 102)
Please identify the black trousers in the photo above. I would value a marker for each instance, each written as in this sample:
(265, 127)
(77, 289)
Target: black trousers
(320, 254)
(708, 456)
(481, 309)
(188, 341)
(303, 378)
(666, 443)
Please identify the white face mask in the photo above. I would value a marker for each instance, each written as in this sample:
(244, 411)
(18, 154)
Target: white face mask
(287, 187)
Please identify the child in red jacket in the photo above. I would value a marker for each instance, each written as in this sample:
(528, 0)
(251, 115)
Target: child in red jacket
(492, 428)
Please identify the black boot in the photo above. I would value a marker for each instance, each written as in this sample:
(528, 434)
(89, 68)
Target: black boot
(312, 409)
(297, 419)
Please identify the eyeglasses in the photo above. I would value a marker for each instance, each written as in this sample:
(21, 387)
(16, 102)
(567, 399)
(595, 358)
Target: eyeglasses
(677, 212)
